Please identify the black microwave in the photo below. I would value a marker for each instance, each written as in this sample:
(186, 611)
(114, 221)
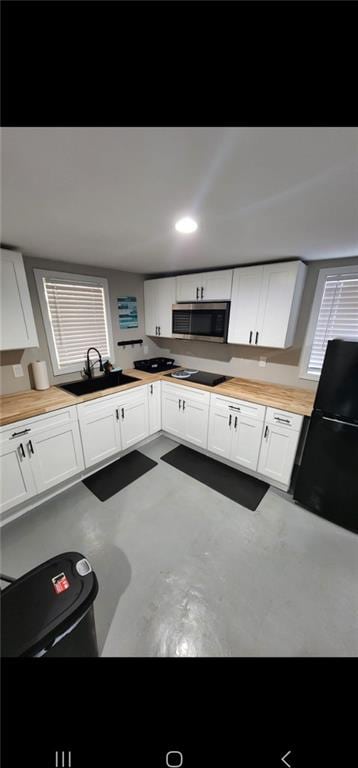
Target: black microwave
(203, 321)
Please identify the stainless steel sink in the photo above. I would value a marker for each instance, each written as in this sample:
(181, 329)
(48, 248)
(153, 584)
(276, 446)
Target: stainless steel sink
(87, 386)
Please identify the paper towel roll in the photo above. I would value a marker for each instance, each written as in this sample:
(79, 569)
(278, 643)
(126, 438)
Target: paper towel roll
(39, 370)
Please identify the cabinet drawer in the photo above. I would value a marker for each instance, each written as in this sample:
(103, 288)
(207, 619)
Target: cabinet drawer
(284, 418)
(200, 395)
(38, 423)
(243, 407)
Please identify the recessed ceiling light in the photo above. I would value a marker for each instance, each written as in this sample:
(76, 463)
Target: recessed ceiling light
(186, 225)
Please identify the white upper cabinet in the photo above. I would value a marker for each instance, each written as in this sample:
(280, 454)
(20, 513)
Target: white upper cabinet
(18, 329)
(205, 286)
(159, 296)
(265, 304)
(246, 291)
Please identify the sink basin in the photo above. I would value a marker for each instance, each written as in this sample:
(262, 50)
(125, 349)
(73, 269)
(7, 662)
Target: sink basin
(87, 386)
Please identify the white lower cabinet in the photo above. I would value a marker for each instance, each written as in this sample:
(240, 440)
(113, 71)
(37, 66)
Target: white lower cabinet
(100, 433)
(185, 413)
(17, 481)
(37, 454)
(235, 430)
(278, 451)
(55, 454)
(134, 418)
(154, 407)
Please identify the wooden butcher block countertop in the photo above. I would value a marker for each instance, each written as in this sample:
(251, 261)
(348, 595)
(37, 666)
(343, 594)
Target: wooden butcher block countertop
(25, 405)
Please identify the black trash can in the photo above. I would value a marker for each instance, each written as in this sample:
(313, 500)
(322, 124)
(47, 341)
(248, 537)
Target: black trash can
(49, 610)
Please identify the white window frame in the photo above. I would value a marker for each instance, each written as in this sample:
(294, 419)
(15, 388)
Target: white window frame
(317, 300)
(68, 276)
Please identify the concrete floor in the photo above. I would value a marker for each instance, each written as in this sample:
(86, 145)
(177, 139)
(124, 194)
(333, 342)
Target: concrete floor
(184, 571)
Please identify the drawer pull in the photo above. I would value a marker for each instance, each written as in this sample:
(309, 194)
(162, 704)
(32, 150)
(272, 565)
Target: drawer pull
(234, 407)
(24, 432)
(22, 450)
(279, 418)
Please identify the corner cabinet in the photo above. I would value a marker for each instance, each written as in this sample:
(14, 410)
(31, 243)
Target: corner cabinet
(265, 304)
(159, 296)
(185, 413)
(204, 286)
(18, 330)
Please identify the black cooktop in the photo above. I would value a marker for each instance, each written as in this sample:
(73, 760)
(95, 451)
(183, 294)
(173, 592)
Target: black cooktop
(199, 377)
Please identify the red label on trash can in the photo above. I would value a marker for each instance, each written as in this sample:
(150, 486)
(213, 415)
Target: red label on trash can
(60, 583)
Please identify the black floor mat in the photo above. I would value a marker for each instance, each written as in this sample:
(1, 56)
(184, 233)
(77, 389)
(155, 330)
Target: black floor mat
(111, 479)
(236, 485)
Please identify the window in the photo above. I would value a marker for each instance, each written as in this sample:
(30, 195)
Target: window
(334, 316)
(76, 314)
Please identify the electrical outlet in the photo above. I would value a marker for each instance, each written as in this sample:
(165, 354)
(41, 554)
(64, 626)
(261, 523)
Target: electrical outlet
(262, 361)
(18, 371)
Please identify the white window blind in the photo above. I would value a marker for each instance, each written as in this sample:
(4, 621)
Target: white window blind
(337, 318)
(77, 319)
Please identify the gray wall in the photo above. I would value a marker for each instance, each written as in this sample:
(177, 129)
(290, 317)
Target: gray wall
(282, 365)
(120, 284)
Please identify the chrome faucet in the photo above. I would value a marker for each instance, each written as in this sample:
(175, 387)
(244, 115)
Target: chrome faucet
(88, 370)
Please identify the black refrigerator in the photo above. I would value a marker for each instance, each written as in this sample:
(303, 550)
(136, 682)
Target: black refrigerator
(327, 481)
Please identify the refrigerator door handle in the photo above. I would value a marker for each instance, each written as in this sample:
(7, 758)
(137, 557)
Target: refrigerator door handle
(339, 421)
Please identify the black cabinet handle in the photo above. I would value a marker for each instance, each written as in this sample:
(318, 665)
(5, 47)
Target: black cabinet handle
(151, 389)
(158, 330)
(24, 432)
(234, 407)
(122, 413)
(257, 337)
(286, 421)
(197, 293)
(235, 424)
(31, 446)
(117, 414)
(183, 405)
(202, 292)
(22, 450)
(266, 431)
(230, 419)
(179, 405)
(250, 337)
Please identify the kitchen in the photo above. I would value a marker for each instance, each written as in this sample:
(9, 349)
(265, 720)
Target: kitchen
(179, 384)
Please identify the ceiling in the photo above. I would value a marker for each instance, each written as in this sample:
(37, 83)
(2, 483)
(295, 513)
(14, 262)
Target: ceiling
(110, 196)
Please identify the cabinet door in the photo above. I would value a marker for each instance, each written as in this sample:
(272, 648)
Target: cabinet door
(55, 454)
(216, 285)
(150, 307)
(134, 420)
(154, 407)
(188, 287)
(276, 304)
(196, 417)
(100, 434)
(165, 300)
(245, 298)
(17, 483)
(172, 413)
(277, 454)
(246, 442)
(18, 329)
(221, 422)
